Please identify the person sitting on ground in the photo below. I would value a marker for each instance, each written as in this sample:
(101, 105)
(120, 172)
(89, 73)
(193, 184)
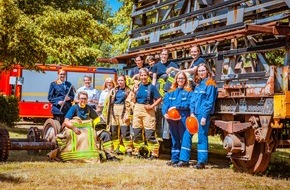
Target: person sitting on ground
(79, 138)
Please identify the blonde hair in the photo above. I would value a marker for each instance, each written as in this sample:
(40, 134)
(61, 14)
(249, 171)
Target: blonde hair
(144, 70)
(108, 80)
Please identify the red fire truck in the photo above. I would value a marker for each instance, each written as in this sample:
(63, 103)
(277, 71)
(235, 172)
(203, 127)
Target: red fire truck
(31, 87)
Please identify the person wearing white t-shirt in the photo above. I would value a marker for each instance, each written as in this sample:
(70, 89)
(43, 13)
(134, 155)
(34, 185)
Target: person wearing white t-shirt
(108, 85)
(93, 94)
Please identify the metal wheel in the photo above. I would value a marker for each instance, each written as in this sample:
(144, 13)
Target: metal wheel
(259, 162)
(5, 144)
(51, 129)
(33, 135)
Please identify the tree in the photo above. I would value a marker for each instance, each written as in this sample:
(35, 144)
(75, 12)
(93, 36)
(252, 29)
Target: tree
(52, 31)
(121, 23)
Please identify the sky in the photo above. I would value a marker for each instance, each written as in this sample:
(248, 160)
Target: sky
(115, 4)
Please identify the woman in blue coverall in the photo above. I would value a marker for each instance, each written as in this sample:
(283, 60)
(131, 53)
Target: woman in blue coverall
(179, 97)
(202, 105)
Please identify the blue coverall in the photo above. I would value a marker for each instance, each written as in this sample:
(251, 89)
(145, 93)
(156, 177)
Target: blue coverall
(181, 138)
(202, 105)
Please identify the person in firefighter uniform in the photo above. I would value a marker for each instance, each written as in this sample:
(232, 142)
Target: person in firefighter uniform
(119, 117)
(202, 105)
(61, 95)
(79, 139)
(146, 98)
(161, 75)
(179, 98)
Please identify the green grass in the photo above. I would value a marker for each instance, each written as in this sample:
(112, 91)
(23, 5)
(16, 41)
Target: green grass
(23, 171)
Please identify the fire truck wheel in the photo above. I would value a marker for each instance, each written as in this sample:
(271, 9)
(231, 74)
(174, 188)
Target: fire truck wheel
(5, 145)
(33, 135)
(51, 129)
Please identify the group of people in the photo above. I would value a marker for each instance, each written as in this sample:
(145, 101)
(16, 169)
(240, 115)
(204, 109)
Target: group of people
(162, 84)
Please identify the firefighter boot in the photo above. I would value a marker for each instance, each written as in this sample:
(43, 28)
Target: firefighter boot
(115, 136)
(137, 141)
(127, 140)
(152, 142)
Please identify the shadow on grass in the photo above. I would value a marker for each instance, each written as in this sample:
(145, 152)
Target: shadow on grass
(279, 166)
(217, 156)
(23, 156)
(9, 178)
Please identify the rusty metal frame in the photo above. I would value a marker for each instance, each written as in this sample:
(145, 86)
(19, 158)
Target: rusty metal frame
(270, 28)
(193, 17)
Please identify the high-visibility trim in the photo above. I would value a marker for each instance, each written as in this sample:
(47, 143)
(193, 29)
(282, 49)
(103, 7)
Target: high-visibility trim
(75, 154)
(184, 148)
(108, 145)
(73, 140)
(202, 150)
(82, 125)
(170, 79)
(161, 86)
(65, 156)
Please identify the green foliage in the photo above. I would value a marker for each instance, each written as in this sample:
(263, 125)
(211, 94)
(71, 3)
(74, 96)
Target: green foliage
(9, 110)
(121, 23)
(56, 31)
(17, 33)
(276, 57)
(61, 41)
(97, 8)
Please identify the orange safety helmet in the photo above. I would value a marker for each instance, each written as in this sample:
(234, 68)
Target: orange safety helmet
(192, 124)
(173, 114)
